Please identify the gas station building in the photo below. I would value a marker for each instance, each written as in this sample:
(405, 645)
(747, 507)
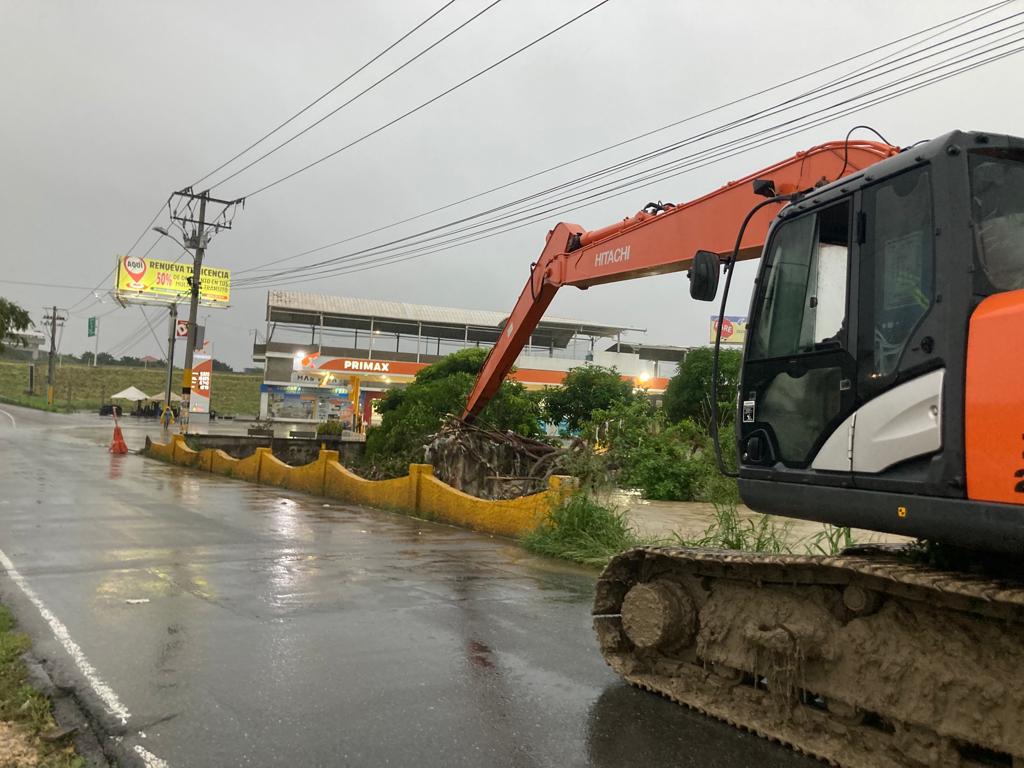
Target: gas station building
(327, 358)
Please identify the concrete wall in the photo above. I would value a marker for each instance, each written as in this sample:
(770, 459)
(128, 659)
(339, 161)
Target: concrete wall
(419, 493)
(291, 450)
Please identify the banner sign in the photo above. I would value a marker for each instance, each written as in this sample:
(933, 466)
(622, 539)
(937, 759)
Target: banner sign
(154, 280)
(734, 329)
(202, 373)
(348, 366)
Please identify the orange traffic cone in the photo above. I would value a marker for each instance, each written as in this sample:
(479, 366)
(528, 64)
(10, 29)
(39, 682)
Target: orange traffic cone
(118, 444)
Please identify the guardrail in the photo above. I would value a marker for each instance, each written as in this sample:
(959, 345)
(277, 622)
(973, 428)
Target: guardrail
(418, 493)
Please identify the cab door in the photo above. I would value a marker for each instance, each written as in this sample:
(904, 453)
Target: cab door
(800, 368)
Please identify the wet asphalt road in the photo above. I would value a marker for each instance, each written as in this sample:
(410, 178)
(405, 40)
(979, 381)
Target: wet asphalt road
(244, 626)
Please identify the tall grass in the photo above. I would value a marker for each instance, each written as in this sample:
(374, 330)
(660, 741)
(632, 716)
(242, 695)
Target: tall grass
(584, 531)
(731, 531)
(831, 540)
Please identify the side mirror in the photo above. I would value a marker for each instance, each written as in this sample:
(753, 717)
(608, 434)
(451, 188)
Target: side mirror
(703, 276)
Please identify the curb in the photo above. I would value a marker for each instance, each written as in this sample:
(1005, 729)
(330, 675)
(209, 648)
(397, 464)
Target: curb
(68, 713)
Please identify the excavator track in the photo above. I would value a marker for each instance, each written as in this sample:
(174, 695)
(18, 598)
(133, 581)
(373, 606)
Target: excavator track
(863, 659)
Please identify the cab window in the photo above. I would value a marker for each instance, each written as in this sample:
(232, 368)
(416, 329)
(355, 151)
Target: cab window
(801, 305)
(897, 271)
(997, 206)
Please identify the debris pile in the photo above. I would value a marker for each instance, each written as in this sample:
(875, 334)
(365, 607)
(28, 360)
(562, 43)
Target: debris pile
(490, 464)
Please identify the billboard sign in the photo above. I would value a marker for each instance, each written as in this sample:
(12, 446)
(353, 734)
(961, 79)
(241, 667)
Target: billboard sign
(202, 375)
(734, 329)
(145, 279)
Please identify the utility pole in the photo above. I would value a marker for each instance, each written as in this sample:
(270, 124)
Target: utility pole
(94, 331)
(170, 354)
(193, 311)
(54, 317)
(196, 241)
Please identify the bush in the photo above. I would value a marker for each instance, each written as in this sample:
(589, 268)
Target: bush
(412, 414)
(331, 428)
(668, 462)
(583, 531)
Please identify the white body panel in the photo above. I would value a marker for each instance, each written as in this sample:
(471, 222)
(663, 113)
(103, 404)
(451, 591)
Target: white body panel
(898, 425)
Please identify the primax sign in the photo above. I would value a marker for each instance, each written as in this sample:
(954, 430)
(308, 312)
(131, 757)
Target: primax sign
(367, 366)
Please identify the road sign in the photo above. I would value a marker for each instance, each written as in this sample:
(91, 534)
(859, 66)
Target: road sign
(181, 329)
(92, 327)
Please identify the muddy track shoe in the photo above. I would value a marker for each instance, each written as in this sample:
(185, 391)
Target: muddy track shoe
(864, 659)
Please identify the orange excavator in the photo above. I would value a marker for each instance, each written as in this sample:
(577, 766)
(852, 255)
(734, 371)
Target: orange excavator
(882, 388)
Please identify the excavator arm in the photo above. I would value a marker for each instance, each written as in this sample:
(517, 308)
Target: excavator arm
(659, 239)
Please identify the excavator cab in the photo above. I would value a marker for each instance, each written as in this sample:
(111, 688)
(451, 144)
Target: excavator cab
(882, 380)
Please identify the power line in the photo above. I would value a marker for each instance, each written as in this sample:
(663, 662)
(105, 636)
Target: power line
(322, 96)
(365, 253)
(113, 271)
(430, 101)
(48, 285)
(728, 150)
(955, 21)
(366, 90)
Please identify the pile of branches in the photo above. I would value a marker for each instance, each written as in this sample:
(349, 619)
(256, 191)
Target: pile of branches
(490, 464)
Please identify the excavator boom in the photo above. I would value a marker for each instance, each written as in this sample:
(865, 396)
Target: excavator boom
(661, 238)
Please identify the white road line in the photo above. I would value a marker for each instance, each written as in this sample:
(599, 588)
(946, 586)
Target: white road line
(9, 416)
(103, 691)
(151, 760)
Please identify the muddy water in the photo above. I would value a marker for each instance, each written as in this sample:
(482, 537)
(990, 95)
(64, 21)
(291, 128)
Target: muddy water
(690, 519)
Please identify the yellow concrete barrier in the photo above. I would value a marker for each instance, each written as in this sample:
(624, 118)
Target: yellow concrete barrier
(419, 493)
(397, 494)
(181, 453)
(506, 517)
(221, 463)
(249, 467)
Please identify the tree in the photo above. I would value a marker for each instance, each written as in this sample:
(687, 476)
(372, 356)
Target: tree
(689, 392)
(665, 461)
(221, 366)
(412, 414)
(13, 319)
(586, 389)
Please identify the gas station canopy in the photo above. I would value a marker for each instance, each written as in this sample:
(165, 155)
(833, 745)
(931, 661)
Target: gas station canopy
(395, 317)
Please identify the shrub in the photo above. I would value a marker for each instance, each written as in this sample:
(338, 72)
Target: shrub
(669, 462)
(331, 428)
(584, 531)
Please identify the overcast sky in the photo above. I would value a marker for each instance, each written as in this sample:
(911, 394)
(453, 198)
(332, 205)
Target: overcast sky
(108, 106)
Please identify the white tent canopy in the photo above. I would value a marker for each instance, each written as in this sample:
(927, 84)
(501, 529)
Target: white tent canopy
(132, 393)
(175, 398)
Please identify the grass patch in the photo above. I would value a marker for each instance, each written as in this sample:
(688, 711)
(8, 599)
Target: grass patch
(82, 387)
(23, 706)
(831, 540)
(729, 530)
(584, 531)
